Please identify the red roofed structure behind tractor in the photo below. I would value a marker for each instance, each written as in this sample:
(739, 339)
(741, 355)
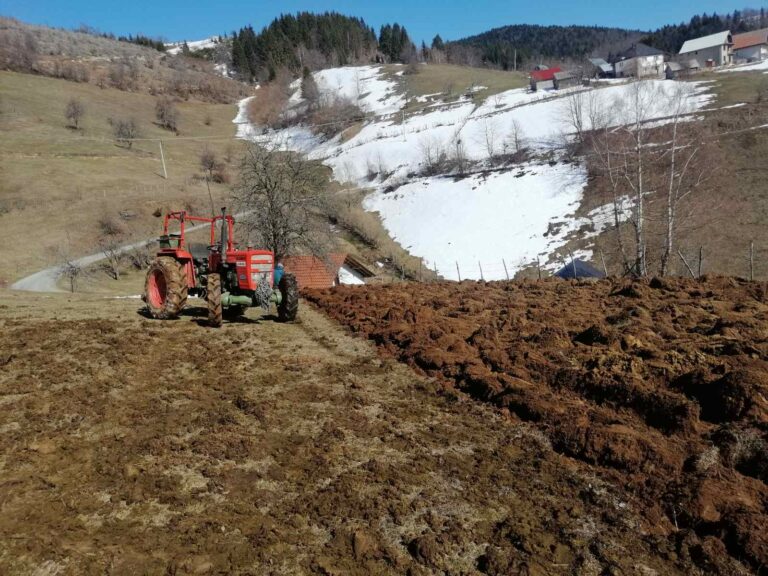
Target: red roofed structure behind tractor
(315, 272)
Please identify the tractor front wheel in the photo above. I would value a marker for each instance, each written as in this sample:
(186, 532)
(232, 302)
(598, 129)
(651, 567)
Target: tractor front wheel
(289, 305)
(215, 311)
(165, 289)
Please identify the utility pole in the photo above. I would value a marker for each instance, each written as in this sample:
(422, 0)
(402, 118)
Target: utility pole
(162, 157)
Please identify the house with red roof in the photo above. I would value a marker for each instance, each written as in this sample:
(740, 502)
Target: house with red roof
(751, 46)
(333, 270)
(543, 77)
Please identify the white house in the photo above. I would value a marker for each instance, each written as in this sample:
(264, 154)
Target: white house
(712, 50)
(640, 61)
(751, 46)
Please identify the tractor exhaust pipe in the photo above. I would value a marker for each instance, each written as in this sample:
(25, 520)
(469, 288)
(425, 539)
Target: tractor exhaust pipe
(224, 234)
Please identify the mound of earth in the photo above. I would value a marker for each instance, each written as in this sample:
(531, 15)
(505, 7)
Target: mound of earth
(661, 386)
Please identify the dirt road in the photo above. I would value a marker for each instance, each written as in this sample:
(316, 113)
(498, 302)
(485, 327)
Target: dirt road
(131, 446)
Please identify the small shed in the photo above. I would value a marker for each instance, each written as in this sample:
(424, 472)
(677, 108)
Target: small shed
(600, 68)
(335, 269)
(579, 269)
(543, 79)
(693, 65)
(565, 79)
(673, 70)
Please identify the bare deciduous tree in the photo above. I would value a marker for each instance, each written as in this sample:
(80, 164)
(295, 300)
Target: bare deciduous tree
(166, 114)
(74, 112)
(124, 130)
(515, 141)
(490, 139)
(286, 198)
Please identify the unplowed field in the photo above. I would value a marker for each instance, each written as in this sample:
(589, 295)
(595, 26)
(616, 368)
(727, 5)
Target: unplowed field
(661, 387)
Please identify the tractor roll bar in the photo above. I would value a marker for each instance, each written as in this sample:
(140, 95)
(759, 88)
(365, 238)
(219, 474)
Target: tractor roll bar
(182, 217)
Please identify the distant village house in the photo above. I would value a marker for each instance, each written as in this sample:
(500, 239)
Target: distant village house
(713, 50)
(599, 68)
(639, 61)
(543, 77)
(751, 46)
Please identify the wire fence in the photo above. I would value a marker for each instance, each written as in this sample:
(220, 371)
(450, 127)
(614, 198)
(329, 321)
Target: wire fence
(694, 263)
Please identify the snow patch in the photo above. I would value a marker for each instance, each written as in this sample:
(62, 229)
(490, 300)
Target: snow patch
(484, 220)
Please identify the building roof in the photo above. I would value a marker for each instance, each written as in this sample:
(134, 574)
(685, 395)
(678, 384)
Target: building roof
(543, 75)
(674, 66)
(692, 64)
(639, 50)
(598, 62)
(314, 272)
(707, 42)
(748, 39)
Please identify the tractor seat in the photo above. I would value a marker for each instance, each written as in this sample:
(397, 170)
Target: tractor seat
(198, 250)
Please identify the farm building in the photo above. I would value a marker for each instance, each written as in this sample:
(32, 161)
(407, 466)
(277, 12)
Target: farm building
(712, 50)
(673, 70)
(543, 78)
(336, 269)
(565, 79)
(599, 68)
(751, 46)
(639, 61)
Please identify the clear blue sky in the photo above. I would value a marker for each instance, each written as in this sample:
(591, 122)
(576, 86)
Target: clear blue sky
(195, 19)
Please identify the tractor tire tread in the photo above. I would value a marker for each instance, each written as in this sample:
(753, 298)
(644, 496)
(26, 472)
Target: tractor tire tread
(176, 288)
(215, 311)
(289, 306)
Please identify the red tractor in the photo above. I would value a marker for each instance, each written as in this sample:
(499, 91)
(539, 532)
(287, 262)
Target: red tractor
(228, 278)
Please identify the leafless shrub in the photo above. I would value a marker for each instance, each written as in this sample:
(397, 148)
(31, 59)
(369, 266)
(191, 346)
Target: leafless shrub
(434, 159)
(139, 258)
(457, 157)
(18, 50)
(412, 68)
(207, 120)
(74, 112)
(166, 114)
(309, 90)
(124, 75)
(113, 256)
(72, 71)
(334, 115)
(124, 130)
(109, 226)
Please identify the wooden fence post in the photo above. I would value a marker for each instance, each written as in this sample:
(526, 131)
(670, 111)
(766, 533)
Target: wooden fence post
(506, 272)
(538, 267)
(573, 265)
(751, 260)
(690, 271)
(481, 271)
(458, 272)
(701, 258)
(605, 268)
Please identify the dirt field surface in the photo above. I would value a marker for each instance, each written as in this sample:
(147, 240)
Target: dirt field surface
(660, 387)
(132, 446)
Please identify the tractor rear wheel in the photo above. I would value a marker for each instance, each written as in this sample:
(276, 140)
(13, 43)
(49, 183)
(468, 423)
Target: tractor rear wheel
(165, 289)
(214, 300)
(289, 305)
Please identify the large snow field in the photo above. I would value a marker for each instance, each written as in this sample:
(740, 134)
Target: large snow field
(484, 220)
(513, 215)
(397, 149)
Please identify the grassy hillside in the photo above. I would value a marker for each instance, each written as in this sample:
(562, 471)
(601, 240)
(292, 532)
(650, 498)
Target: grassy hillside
(60, 185)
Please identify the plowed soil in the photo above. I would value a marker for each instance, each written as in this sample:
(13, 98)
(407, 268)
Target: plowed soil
(131, 446)
(660, 387)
